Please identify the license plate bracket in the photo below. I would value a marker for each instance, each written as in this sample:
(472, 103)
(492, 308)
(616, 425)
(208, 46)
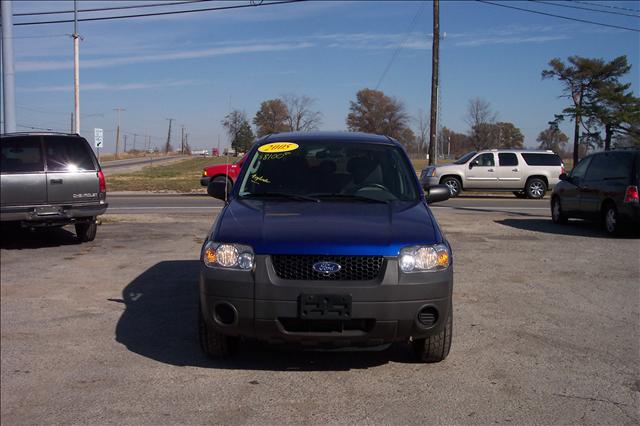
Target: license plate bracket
(324, 306)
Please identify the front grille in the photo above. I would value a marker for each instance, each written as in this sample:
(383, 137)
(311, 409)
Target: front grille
(352, 268)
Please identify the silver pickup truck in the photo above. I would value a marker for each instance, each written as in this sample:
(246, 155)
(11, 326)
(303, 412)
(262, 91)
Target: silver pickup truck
(51, 179)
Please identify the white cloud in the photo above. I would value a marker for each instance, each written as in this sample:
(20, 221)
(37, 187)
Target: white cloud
(189, 54)
(471, 42)
(109, 86)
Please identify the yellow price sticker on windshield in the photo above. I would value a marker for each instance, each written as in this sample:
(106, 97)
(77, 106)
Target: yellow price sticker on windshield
(278, 147)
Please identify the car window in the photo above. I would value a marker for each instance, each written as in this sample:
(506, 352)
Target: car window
(67, 154)
(619, 166)
(484, 160)
(542, 159)
(321, 168)
(21, 154)
(465, 158)
(507, 159)
(580, 170)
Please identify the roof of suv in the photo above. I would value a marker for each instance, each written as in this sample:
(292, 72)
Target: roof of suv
(520, 150)
(39, 134)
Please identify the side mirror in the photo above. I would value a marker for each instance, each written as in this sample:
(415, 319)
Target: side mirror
(564, 176)
(218, 190)
(438, 193)
(472, 165)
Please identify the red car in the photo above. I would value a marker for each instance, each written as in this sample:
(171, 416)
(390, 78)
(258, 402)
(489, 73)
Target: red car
(222, 172)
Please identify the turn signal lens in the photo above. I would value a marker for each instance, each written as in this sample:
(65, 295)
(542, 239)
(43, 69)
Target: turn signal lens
(209, 256)
(204, 172)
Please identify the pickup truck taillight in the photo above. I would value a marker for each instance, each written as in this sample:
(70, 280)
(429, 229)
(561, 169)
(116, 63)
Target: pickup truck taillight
(631, 195)
(103, 183)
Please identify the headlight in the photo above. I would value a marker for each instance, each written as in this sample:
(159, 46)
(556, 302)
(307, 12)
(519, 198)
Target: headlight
(424, 258)
(228, 256)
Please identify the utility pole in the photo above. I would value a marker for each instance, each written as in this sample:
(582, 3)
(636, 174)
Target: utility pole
(125, 144)
(135, 135)
(118, 110)
(8, 71)
(76, 70)
(435, 57)
(182, 141)
(168, 145)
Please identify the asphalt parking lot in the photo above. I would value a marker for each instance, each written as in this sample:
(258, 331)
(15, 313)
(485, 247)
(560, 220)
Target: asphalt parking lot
(546, 331)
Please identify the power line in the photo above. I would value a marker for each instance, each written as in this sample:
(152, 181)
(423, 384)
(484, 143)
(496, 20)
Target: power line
(606, 5)
(175, 12)
(584, 8)
(401, 46)
(559, 16)
(58, 12)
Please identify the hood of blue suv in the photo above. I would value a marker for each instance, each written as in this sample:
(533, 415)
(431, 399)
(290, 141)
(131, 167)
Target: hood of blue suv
(338, 228)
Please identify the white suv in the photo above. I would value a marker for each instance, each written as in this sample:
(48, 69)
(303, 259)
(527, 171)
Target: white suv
(526, 173)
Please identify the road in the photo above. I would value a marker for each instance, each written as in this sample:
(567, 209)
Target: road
(545, 330)
(175, 203)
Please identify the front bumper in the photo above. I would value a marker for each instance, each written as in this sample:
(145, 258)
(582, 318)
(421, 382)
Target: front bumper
(52, 213)
(260, 305)
(204, 180)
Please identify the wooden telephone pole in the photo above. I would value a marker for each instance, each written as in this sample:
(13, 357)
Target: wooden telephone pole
(435, 57)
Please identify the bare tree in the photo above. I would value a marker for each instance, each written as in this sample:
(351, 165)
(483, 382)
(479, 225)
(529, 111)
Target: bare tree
(480, 117)
(301, 115)
(423, 130)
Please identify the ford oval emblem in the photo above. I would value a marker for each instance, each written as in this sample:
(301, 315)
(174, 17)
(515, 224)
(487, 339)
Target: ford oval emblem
(326, 267)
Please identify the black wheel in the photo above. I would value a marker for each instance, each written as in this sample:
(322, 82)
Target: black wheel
(557, 215)
(535, 188)
(86, 231)
(520, 194)
(214, 344)
(224, 179)
(435, 348)
(610, 219)
(454, 184)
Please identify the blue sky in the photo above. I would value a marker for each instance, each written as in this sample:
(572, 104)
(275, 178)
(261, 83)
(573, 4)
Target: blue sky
(195, 67)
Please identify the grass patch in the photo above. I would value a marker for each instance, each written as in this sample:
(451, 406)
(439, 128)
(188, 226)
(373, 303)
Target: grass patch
(182, 176)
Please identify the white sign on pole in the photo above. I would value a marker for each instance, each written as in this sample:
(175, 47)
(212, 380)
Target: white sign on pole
(98, 136)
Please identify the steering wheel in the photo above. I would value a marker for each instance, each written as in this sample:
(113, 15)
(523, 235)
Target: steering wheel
(373, 185)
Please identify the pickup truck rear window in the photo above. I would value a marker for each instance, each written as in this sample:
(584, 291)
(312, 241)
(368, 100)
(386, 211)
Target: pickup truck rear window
(542, 159)
(68, 154)
(21, 155)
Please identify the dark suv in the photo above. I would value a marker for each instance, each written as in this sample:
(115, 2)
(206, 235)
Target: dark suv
(51, 179)
(327, 239)
(601, 187)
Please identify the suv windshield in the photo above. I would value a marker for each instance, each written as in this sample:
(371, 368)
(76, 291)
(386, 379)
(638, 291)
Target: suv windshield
(465, 158)
(335, 170)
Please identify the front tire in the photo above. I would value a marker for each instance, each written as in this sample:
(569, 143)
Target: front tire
(213, 343)
(435, 348)
(535, 188)
(454, 184)
(224, 179)
(557, 215)
(86, 231)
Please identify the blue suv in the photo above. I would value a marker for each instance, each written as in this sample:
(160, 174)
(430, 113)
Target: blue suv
(326, 240)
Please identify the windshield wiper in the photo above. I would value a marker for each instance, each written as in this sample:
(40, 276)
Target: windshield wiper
(280, 195)
(352, 197)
